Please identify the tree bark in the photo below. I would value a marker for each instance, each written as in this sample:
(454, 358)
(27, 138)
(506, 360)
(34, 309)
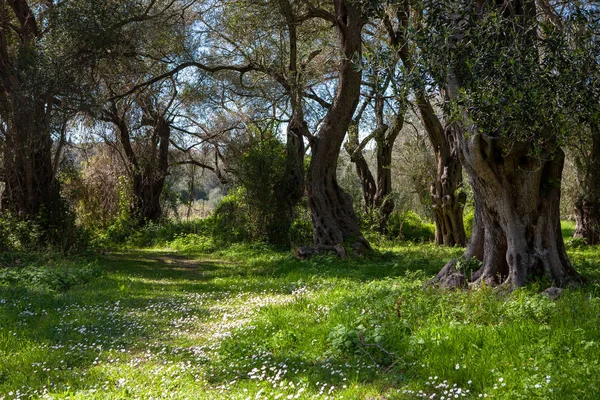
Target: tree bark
(333, 218)
(31, 188)
(447, 199)
(517, 231)
(516, 185)
(587, 206)
(367, 181)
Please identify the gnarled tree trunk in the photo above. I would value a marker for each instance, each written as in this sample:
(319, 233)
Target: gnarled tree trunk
(333, 218)
(31, 189)
(517, 233)
(587, 206)
(446, 197)
(516, 183)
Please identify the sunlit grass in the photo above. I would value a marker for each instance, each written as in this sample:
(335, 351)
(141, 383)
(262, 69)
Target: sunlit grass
(193, 321)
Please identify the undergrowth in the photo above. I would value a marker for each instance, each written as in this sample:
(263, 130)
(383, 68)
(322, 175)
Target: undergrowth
(195, 319)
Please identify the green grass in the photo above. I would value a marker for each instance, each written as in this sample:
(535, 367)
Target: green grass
(192, 321)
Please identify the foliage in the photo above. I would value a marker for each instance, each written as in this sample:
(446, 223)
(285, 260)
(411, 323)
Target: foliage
(409, 226)
(259, 171)
(56, 275)
(230, 219)
(17, 235)
(247, 321)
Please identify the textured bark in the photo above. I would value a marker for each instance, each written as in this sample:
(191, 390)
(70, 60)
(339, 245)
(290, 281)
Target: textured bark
(518, 216)
(31, 188)
(333, 218)
(446, 196)
(517, 195)
(447, 199)
(587, 206)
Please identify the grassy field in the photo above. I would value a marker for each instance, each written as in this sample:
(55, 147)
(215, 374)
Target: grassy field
(189, 321)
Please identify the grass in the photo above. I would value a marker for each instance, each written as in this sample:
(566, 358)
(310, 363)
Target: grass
(193, 321)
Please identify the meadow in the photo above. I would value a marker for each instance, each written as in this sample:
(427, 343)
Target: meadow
(191, 320)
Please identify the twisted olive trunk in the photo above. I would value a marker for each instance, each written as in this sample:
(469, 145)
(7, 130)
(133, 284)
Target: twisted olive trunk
(517, 233)
(333, 218)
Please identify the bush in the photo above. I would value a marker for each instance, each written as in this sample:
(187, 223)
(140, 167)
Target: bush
(229, 221)
(410, 226)
(17, 235)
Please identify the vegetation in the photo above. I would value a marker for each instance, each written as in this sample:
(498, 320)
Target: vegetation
(190, 320)
(178, 218)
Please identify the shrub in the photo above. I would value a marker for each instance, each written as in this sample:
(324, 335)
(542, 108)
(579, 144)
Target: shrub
(410, 226)
(229, 221)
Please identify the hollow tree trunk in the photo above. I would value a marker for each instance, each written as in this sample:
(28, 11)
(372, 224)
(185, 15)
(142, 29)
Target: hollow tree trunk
(587, 206)
(518, 201)
(333, 218)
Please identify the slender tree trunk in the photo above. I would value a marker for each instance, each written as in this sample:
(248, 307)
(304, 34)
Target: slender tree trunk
(333, 218)
(447, 199)
(376, 191)
(587, 206)
(290, 190)
(367, 182)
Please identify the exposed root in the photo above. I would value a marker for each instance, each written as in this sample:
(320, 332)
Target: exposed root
(449, 277)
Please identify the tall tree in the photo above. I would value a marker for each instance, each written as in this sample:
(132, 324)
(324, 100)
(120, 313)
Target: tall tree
(333, 218)
(29, 90)
(144, 143)
(377, 190)
(506, 98)
(447, 198)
